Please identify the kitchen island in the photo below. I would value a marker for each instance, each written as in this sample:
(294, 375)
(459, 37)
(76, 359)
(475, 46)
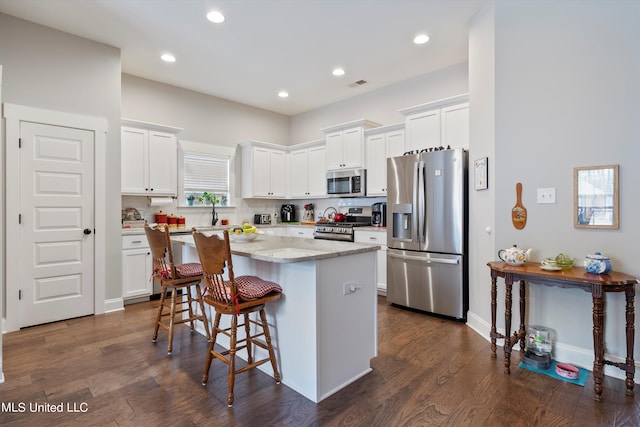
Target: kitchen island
(324, 327)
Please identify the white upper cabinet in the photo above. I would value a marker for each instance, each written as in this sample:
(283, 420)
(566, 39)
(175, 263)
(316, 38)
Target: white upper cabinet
(149, 159)
(307, 173)
(345, 144)
(264, 170)
(440, 123)
(380, 144)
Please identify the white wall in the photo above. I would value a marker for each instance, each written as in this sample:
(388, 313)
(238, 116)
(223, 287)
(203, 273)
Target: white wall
(567, 94)
(204, 118)
(482, 125)
(382, 105)
(52, 70)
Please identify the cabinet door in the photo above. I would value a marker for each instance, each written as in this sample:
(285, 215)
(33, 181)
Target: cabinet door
(261, 171)
(423, 130)
(278, 173)
(317, 173)
(352, 148)
(136, 273)
(455, 126)
(376, 165)
(163, 164)
(395, 143)
(298, 173)
(334, 151)
(134, 162)
(379, 238)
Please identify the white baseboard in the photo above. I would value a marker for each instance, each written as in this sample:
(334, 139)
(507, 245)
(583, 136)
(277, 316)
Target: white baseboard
(577, 356)
(115, 304)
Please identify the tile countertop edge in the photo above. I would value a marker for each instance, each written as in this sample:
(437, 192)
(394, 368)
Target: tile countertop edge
(320, 249)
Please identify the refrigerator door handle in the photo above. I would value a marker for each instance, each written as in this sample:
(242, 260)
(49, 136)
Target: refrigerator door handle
(421, 203)
(415, 235)
(425, 260)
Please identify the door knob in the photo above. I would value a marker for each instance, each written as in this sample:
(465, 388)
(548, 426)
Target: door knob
(87, 231)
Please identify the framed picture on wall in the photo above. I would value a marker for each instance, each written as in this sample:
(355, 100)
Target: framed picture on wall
(480, 173)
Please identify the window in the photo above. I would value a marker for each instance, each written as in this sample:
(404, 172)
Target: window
(205, 168)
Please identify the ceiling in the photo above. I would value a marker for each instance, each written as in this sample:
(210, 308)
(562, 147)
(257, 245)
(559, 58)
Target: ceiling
(266, 46)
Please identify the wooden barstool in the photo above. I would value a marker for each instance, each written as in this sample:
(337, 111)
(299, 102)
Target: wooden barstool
(237, 296)
(181, 278)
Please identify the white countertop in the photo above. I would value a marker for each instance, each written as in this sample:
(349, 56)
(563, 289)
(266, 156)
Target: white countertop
(280, 249)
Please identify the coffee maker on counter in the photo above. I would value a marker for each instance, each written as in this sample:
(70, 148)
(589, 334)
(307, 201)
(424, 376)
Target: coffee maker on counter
(379, 214)
(288, 213)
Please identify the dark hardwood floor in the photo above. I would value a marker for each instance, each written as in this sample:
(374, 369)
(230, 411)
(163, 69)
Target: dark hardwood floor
(429, 371)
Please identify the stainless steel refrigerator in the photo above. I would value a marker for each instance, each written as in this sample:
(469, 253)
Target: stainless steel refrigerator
(427, 232)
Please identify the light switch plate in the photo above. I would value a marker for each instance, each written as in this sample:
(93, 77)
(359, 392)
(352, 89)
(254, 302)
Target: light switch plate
(546, 195)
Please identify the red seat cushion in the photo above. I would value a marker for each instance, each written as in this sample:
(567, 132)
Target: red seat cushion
(252, 287)
(189, 269)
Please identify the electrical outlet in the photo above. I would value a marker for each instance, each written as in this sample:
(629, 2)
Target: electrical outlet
(350, 288)
(546, 195)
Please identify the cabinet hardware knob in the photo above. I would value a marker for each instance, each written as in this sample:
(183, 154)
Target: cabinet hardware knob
(87, 231)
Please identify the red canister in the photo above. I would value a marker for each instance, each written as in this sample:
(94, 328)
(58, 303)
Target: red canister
(172, 220)
(160, 217)
(181, 222)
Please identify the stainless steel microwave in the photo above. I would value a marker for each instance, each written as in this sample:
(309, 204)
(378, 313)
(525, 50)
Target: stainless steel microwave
(347, 183)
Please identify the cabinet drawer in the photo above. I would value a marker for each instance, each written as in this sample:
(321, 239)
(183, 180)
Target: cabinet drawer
(135, 241)
(376, 237)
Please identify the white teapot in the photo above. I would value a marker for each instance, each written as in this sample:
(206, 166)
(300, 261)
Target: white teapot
(514, 255)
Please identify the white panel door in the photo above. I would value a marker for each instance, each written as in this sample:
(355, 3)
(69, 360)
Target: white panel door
(57, 219)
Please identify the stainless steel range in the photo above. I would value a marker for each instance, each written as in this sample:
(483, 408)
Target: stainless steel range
(354, 217)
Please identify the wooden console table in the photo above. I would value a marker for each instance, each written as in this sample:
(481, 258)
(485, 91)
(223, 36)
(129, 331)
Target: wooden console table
(597, 284)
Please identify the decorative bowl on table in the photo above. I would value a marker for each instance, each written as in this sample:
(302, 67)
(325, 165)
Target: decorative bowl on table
(245, 233)
(244, 237)
(557, 263)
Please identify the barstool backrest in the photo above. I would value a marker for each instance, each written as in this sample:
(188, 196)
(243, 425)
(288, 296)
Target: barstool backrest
(215, 256)
(160, 244)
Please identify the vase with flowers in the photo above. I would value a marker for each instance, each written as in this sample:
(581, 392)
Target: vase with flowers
(212, 198)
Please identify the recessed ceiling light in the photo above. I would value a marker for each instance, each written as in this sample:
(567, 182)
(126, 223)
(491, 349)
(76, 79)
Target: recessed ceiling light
(283, 94)
(338, 72)
(421, 39)
(167, 57)
(215, 17)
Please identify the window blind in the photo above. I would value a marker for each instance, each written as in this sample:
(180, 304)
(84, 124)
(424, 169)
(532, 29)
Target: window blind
(206, 173)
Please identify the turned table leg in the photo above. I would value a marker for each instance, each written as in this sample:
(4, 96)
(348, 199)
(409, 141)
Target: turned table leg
(493, 332)
(630, 329)
(508, 280)
(522, 332)
(598, 341)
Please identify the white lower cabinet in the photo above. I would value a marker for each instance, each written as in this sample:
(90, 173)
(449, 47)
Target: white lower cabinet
(274, 231)
(302, 231)
(378, 238)
(136, 267)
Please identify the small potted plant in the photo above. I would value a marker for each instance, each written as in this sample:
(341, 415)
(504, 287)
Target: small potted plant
(212, 198)
(190, 198)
